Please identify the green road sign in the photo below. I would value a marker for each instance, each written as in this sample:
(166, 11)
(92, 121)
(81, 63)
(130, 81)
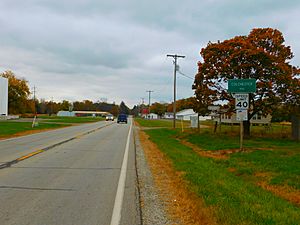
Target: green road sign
(242, 85)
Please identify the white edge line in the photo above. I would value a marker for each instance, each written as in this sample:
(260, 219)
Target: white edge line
(116, 215)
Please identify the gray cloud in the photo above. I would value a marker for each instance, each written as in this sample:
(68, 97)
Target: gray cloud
(90, 49)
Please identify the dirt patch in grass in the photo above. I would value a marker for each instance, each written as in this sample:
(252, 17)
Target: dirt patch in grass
(183, 206)
(232, 170)
(217, 154)
(209, 154)
(264, 175)
(151, 128)
(285, 192)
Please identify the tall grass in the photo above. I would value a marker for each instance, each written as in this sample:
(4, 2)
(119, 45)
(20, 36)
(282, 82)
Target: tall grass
(235, 199)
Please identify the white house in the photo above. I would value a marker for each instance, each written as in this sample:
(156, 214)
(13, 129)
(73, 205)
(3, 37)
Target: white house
(168, 115)
(186, 114)
(256, 119)
(152, 116)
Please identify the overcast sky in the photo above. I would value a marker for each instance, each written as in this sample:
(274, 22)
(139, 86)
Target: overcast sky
(116, 49)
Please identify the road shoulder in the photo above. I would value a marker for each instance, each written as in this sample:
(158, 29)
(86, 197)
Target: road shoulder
(152, 207)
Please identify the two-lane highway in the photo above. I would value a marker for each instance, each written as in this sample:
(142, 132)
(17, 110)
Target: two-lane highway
(74, 183)
(13, 148)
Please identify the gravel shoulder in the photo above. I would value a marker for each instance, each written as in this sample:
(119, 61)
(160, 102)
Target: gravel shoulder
(152, 207)
(164, 194)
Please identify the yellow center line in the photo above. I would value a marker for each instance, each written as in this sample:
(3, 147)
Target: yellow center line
(29, 155)
(45, 149)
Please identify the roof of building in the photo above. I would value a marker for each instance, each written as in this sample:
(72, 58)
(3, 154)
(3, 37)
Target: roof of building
(186, 112)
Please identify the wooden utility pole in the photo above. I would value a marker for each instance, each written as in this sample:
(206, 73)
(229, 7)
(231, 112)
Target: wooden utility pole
(175, 69)
(149, 99)
(34, 122)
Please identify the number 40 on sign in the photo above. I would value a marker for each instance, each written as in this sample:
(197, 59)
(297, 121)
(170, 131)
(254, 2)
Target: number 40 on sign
(241, 101)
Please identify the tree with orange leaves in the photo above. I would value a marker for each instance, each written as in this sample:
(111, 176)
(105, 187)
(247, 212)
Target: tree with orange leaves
(261, 55)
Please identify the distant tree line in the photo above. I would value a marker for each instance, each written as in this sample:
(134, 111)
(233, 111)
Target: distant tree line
(20, 101)
(161, 108)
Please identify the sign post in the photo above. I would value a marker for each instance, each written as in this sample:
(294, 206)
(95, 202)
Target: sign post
(3, 96)
(241, 135)
(241, 115)
(241, 89)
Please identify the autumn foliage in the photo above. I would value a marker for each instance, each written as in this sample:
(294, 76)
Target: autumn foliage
(261, 55)
(18, 93)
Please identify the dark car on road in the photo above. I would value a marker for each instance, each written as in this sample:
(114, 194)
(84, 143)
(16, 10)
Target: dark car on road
(122, 118)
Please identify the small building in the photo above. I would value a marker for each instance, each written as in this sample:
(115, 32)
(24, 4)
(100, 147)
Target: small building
(168, 115)
(65, 113)
(82, 113)
(144, 113)
(231, 119)
(152, 116)
(186, 115)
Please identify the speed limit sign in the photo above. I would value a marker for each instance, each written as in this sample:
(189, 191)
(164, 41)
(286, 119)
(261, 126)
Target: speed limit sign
(241, 101)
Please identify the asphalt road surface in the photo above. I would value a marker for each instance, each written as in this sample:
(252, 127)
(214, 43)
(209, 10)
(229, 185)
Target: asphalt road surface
(86, 180)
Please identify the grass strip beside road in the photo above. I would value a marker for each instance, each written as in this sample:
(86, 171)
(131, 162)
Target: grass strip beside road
(65, 119)
(236, 199)
(277, 157)
(18, 128)
(160, 123)
(12, 129)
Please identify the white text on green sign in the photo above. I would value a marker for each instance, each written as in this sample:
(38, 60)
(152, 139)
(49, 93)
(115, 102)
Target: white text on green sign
(242, 85)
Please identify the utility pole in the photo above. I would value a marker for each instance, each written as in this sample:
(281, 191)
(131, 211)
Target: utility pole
(34, 123)
(175, 69)
(51, 112)
(34, 88)
(149, 98)
(142, 107)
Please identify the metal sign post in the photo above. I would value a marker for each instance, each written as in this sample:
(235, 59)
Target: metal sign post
(241, 115)
(241, 135)
(241, 89)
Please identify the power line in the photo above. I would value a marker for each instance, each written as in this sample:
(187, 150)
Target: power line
(184, 75)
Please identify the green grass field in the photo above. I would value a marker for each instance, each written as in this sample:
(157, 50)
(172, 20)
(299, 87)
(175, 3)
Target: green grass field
(278, 157)
(160, 123)
(8, 128)
(274, 130)
(230, 185)
(62, 119)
